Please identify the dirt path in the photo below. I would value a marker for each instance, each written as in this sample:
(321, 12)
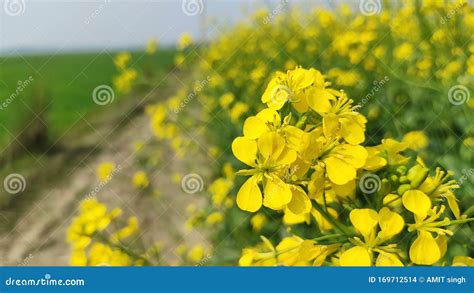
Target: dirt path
(38, 236)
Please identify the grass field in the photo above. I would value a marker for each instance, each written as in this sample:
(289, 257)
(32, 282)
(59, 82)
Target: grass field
(58, 88)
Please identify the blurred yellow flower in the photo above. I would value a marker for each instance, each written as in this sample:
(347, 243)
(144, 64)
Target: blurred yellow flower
(258, 221)
(196, 254)
(151, 46)
(403, 52)
(140, 180)
(214, 218)
(104, 171)
(185, 41)
(122, 59)
(415, 140)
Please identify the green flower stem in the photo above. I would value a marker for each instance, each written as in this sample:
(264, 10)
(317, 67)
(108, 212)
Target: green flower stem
(333, 221)
(330, 236)
(461, 221)
(107, 241)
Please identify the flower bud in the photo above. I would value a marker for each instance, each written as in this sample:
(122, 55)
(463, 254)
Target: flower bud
(416, 175)
(402, 188)
(404, 179)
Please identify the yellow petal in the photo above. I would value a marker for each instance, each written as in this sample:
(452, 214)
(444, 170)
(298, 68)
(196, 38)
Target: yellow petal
(392, 200)
(355, 155)
(386, 259)
(286, 157)
(346, 190)
(293, 136)
(463, 261)
(317, 183)
(245, 150)
(277, 194)
(339, 171)
(319, 100)
(453, 205)
(425, 250)
(300, 102)
(374, 160)
(254, 127)
(364, 220)
(442, 242)
(353, 129)
(416, 202)
(390, 223)
(301, 78)
(300, 202)
(324, 224)
(292, 219)
(356, 256)
(270, 146)
(330, 125)
(249, 197)
(269, 115)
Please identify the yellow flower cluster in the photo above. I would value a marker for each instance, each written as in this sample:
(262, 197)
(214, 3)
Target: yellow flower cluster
(95, 242)
(123, 82)
(306, 160)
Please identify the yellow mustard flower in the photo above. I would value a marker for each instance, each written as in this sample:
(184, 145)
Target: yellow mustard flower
(151, 46)
(415, 140)
(140, 180)
(267, 156)
(105, 171)
(122, 59)
(185, 40)
(365, 222)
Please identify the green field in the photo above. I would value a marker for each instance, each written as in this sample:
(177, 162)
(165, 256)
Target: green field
(52, 92)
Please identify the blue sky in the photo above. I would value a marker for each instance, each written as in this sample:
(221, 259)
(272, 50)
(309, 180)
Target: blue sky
(59, 26)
